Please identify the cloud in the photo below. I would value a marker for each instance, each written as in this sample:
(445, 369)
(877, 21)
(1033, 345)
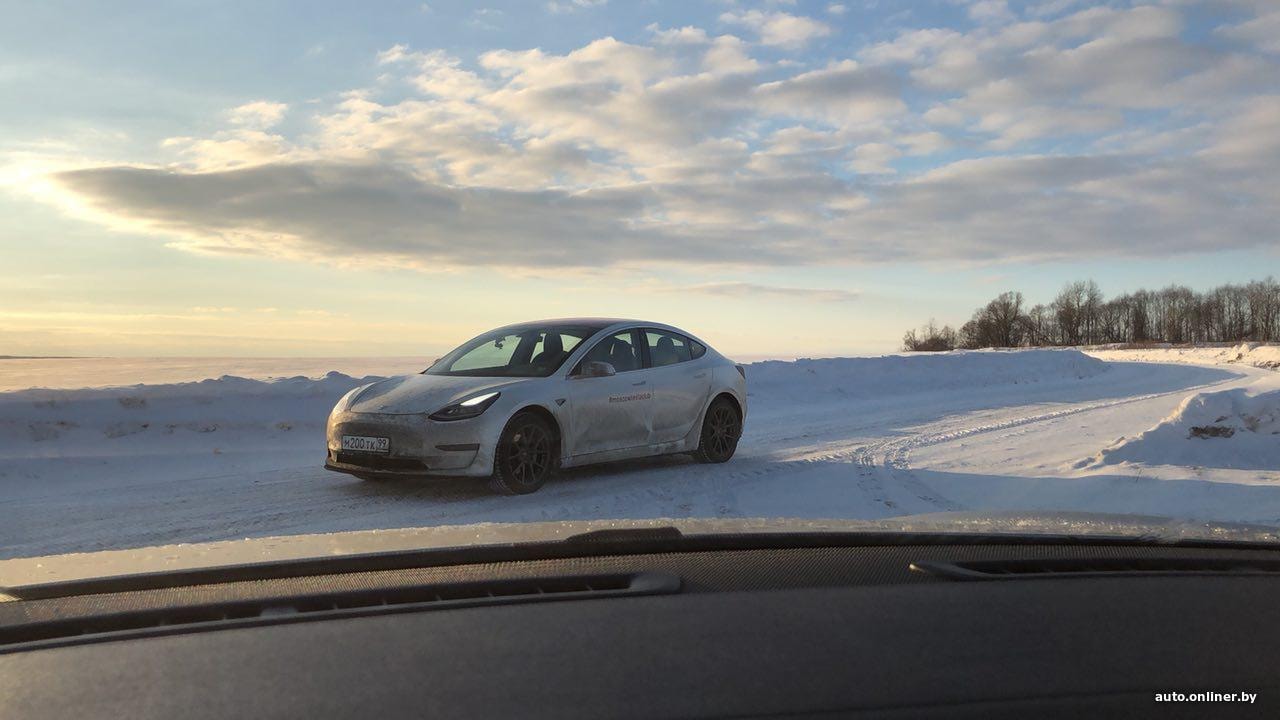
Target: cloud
(875, 158)
(353, 213)
(757, 290)
(992, 209)
(1263, 31)
(841, 93)
(259, 115)
(1095, 132)
(687, 35)
(568, 6)
(790, 32)
(1076, 75)
(990, 11)
(1059, 207)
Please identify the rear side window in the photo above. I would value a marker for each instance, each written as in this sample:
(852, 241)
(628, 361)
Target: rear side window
(697, 349)
(668, 348)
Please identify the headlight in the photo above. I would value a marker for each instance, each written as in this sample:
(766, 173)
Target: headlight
(469, 408)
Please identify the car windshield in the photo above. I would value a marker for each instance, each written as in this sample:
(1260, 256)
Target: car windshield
(519, 352)
(293, 277)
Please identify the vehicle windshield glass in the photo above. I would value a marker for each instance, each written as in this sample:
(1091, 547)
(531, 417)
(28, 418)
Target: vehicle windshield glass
(297, 268)
(518, 352)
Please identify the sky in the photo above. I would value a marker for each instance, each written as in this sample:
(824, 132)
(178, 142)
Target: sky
(784, 179)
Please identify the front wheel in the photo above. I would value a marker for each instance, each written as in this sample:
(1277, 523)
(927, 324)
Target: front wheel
(721, 429)
(526, 455)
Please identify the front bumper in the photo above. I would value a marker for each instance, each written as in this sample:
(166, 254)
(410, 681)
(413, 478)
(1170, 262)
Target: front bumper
(420, 447)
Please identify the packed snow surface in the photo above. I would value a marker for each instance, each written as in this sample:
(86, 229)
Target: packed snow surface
(852, 438)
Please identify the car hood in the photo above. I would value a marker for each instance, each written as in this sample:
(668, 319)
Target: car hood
(1053, 527)
(415, 394)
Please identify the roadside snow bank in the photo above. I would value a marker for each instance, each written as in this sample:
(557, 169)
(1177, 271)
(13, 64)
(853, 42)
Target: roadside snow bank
(210, 416)
(1225, 429)
(1248, 353)
(775, 381)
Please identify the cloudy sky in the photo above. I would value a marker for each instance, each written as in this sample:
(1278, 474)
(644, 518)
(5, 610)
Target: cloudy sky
(782, 178)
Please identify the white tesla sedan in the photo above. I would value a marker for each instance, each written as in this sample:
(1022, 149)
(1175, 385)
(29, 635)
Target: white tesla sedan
(517, 403)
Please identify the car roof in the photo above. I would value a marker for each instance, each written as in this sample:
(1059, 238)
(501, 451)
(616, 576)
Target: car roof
(580, 321)
(598, 324)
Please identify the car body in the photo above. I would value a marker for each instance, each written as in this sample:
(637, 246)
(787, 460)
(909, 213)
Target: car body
(606, 389)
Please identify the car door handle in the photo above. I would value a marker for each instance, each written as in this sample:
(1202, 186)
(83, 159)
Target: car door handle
(638, 384)
(700, 375)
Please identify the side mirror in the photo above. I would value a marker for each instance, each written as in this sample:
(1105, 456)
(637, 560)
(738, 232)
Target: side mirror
(595, 368)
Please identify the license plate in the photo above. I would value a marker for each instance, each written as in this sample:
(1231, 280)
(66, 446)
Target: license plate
(363, 443)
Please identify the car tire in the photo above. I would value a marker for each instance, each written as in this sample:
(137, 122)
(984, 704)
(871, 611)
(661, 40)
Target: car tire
(526, 456)
(721, 428)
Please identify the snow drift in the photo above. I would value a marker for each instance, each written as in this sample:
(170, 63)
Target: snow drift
(894, 375)
(1226, 429)
(1260, 355)
(227, 414)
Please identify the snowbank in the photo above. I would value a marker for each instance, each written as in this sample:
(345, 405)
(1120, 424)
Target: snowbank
(210, 416)
(896, 375)
(1250, 353)
(1226, 429)
(100, 372)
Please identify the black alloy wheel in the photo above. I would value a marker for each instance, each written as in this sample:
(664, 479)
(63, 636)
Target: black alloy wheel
(720, 432)
(526, 455)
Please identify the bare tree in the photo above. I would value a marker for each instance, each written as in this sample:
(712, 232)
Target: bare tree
(1080, 315)
(930, 338)
(1001, 323)
(1069, 311)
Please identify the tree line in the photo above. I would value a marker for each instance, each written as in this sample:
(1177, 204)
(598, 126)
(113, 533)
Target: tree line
(1081, 315)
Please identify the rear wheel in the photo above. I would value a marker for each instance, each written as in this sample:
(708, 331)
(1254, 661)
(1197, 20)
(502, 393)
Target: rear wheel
(721, 429)
(526, 455)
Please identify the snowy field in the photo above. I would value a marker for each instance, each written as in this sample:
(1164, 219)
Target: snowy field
(1185, 433)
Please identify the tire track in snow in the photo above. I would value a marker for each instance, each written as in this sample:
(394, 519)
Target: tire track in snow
(882, 472)
(895, 453)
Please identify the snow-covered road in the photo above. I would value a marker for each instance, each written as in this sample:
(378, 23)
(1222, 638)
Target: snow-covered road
(859, 438)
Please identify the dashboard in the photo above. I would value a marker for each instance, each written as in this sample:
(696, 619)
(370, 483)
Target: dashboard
(904, 630)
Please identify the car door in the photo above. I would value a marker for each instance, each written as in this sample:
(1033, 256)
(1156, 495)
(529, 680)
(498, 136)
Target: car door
(614, 412)
(681, 381)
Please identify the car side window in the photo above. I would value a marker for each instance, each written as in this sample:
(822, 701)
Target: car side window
(668, 348)
(619, 350)
(552, 348)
